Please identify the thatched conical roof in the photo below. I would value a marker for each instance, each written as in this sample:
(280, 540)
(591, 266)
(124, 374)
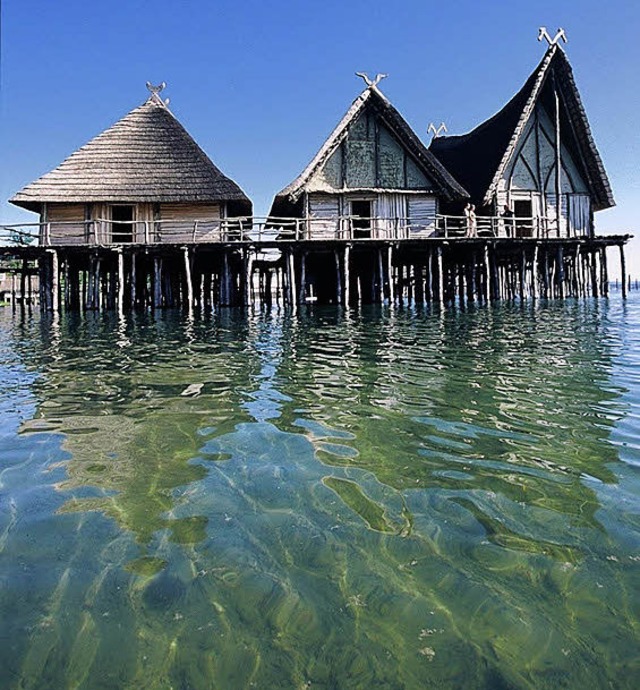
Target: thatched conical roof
(147, 156)
(479, 158)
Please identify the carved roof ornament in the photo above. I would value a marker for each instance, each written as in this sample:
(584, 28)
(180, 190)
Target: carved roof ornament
(156, 89)
(155, 92)
(560, 34)
(368, 81)
(437, 131)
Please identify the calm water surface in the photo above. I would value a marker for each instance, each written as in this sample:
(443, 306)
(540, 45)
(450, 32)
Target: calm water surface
(386, 499)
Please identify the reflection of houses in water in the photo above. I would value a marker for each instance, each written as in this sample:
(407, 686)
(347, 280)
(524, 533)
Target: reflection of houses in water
(140, 217)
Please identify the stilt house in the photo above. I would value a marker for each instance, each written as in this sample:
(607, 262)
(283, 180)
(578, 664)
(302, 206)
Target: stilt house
(372, 178)
(533, 167)
(142, 181)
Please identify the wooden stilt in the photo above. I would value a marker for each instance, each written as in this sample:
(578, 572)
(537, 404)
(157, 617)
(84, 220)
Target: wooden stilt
(248, 289)
(120, 280)
(134, 279)
(576, 272)
(534, 273)
(55, 281)
(594, 273)
(440, 275)
(292, 284)
(605, 271)
(157, 282)
(428, 277)
(623, 272)
(347, 275)
(496, 287)
(302, 294)
(188, 277)
(23, 284)
(560, 273)
(336, 257)
(487, 274)
(390, 284)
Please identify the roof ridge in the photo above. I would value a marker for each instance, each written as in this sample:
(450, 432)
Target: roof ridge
(401, 128)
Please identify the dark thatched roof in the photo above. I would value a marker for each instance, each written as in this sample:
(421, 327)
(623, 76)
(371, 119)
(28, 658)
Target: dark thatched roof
(478, 159)
(446, 186)
(147, 156)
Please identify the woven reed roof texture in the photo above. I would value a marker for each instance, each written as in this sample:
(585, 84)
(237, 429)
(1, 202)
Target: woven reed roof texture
(447, 186)
(146, 156)
(479, 158)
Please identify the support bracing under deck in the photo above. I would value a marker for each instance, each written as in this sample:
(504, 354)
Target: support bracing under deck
(348, 273)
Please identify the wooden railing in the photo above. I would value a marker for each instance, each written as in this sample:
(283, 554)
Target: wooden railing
(103, 232)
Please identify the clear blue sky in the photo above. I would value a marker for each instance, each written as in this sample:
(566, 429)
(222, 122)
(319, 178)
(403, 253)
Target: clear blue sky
(260, 84)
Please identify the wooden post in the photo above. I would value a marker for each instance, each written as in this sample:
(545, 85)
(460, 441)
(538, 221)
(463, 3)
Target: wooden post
(98, 283)
(248, 279)
(522, 272)
(605, 272)
(440, 275)
(292, 284)
(594, 273)
(576, 273)
(30, 290)
(23, 287)
(390, 286)
(302, 296)
(487, 274)
(157, 282)
(495, 275)
(380, 277)
(336, 256)
(428, 277)
(623, 272)
(560, 271)
(55, 280)
(347, 275)
(13, 290)
(188, 277)
(534, 273)
(134, 279)
(120, 280)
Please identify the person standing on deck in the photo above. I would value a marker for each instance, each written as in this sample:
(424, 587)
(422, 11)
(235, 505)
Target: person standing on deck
(508, 215)
(472, 226)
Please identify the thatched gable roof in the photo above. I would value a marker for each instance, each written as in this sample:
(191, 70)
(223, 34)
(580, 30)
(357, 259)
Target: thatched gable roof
(147, 156)
(479, 158)
(447, 187)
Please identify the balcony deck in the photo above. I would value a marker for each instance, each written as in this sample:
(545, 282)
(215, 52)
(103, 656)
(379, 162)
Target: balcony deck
(276, 232)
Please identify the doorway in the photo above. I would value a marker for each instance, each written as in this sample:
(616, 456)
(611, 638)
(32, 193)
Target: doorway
(122, 224)
(523, 212)
(361, 218)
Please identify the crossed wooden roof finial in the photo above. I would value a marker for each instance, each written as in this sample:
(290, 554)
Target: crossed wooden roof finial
(156, 89)
(436, 131)
(368, 81)
(560, 34)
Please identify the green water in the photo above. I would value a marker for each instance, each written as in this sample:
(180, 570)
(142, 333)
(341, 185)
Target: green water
(384, 499)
